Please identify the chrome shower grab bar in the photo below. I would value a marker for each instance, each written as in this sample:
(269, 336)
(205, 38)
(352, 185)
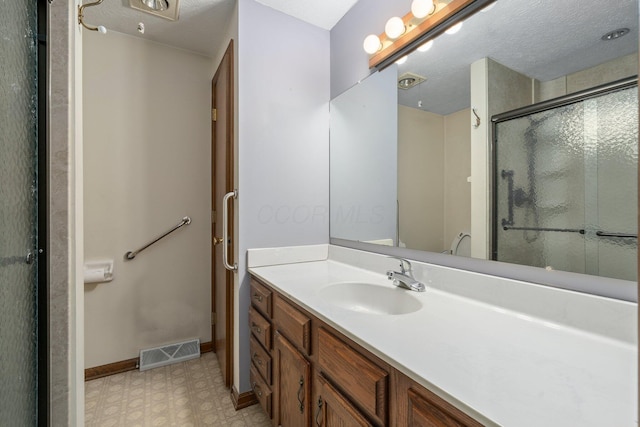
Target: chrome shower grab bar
(560, 230)
(131, 255)
(620, 235)
(225, 231)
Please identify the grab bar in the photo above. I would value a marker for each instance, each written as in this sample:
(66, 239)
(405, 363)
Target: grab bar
(131, 255)
(561, 230)
(620, 235)
(225, 230)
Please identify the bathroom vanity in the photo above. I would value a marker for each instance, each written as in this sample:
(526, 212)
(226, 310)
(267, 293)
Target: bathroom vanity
(333, 342)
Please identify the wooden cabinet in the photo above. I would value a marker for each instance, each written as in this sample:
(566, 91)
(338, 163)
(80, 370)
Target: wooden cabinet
(364, 381)
(305, 373)
(260, 373)
(419, 407)
(292, 385)
(334, 410)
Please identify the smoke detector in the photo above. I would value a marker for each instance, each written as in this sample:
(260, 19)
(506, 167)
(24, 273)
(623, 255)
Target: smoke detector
(409, 80)
(167, 9)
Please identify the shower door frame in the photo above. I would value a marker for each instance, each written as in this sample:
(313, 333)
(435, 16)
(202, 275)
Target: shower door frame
(43, 398)
(539, 107)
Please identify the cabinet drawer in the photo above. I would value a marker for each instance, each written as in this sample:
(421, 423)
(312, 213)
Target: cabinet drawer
(292, 323)
(260, 328)
(261, 390)
(365, 382)
(260, 359)
(261, 297)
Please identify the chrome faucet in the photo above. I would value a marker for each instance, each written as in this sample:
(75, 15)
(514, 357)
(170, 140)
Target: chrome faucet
(404, 278)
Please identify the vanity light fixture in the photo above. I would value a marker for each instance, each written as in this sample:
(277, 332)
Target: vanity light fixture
(427, 19)
(372, 44)
(394, 28)
(422, 8)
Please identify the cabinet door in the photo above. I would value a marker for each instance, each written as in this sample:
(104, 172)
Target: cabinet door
(419, 407)
(334, 410)
(292, 385)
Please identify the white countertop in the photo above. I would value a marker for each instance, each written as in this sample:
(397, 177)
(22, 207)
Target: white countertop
(503, 366)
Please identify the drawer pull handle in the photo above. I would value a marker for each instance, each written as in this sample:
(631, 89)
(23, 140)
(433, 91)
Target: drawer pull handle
(300, 392)
(257, 359)
(256, 328)
(257, 389)
(318, 422)
(258, 297)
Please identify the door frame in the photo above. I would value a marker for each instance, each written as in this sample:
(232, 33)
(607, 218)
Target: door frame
(229, 186)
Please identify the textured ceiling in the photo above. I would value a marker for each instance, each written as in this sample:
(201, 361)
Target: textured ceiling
(321, 13)
(202, 24)
(543, 39)
(200, 28)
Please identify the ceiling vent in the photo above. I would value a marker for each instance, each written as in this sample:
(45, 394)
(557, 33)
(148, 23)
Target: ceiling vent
(409, 80)
(167, 9)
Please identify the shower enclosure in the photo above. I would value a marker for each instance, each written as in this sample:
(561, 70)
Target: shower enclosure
(565, 183)
(22, 367)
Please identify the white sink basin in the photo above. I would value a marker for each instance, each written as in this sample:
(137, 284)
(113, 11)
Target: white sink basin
(370, 298)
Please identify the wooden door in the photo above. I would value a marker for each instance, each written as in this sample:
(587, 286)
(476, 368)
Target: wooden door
(334, 410)
(222, 123)
(292, 385)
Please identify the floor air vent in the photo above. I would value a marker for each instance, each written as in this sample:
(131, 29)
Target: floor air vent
(168, 354)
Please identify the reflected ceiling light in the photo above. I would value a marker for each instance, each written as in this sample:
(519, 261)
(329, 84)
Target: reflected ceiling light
(394, 27)
(454, 29)
(422, 8)
(156, 4)
(372, 44)
(488, 8)
(425, 46)
(616, 34)
(402, 60)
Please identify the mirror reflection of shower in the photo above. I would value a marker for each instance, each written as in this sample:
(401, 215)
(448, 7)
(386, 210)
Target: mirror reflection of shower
(565, 188)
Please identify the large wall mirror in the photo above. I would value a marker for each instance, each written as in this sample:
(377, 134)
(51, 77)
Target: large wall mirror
(514, 138)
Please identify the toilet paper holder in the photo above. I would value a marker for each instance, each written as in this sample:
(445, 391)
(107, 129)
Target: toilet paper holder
(98, 271)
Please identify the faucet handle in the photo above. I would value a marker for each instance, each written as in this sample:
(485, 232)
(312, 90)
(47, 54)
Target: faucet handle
(403, 261)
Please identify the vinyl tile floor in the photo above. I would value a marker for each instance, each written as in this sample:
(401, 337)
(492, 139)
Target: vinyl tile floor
(190, 393)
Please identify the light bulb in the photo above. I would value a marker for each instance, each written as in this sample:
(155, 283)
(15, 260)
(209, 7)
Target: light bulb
(402, 60)
(372, 44)
(454, 29)
(426, 46)
(422, 8)
(394, 27)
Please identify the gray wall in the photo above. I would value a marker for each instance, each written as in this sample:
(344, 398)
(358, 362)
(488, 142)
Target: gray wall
(283, 156)
(349, 61)
(364, 127)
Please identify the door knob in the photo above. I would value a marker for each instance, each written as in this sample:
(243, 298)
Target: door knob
(217, 240)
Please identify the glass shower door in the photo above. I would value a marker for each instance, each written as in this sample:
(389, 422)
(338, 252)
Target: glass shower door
(18, 213)
(565, 184)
